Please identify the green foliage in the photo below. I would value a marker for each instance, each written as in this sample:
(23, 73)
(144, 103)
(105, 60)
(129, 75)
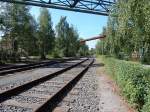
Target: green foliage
(128, 30)
(18, 28)
(67, 40)
(46, 36)
(23, 36)
(83, 50)
(133, 80)
(146, 107)
(92, 51)
(56, 53)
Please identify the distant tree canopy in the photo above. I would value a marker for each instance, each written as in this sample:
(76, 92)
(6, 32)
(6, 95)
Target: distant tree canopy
(128, 30)
(24, 36)
(67, 39)
(19, 27)
(46, 36)
(83, 50)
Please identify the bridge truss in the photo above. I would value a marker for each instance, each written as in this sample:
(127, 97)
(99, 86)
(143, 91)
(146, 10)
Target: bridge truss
(99, 7)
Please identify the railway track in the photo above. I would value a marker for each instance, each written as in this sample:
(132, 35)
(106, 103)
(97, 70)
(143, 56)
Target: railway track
(45, 93)
(18, 68)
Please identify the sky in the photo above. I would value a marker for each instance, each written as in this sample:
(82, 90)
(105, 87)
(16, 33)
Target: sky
(88, 25)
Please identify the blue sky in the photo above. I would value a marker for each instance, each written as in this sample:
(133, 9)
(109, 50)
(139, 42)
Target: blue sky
(88, 25)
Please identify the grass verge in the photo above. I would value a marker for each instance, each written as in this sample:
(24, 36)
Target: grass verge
(133, 79)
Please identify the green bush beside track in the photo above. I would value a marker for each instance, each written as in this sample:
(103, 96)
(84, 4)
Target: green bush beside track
(133, 79)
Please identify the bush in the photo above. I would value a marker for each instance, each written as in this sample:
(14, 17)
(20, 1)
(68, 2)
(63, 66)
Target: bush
(56, 53)
(133, 80)
(146, 107)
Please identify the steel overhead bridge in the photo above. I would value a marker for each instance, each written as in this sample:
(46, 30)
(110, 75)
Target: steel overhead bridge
(93, 38)
(98, 7)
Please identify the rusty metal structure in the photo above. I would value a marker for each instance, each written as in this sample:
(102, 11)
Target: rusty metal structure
(98, 7)
(93, 38)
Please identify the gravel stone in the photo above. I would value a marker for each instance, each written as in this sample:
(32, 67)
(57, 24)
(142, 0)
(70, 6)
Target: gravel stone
(20, 78)
(10, 108)
(28, 99)
(87, 100)
(44, 88)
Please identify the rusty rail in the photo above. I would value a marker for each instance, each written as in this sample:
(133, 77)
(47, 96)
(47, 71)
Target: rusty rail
(52, 102)
(13, 69)
(19, 89)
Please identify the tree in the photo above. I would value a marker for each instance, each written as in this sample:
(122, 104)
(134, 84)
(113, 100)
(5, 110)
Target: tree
(18, 25)
(99, 47)
(67, 38)
(1, 17)
(128, 30)
(46, 36)
(27, 39)
(83, 49)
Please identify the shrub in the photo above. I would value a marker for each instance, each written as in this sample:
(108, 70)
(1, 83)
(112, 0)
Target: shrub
(146, 107)
(133, 80)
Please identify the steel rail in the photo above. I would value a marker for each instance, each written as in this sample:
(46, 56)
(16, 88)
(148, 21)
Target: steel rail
(13, 69)
(24, 87)
(18, 66)
(6, 67)
(52, 102)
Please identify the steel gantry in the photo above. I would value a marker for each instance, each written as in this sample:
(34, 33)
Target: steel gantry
(99, 7)
(92, 38)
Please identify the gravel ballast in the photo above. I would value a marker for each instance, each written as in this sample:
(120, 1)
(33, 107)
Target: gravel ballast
(95, 93)
(83, 97)
(20, 78)
(37, 95)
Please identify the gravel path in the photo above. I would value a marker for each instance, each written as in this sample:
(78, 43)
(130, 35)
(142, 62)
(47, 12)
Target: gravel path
(146, 66)
(108, 91)
(109, 100)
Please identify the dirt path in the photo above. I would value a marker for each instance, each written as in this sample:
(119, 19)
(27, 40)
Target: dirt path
(108, 91)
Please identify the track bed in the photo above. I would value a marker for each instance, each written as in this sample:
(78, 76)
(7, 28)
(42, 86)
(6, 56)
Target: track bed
(43, 93)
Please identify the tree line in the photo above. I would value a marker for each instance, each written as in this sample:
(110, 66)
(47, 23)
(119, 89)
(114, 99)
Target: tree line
(24, 36)
(127, 31)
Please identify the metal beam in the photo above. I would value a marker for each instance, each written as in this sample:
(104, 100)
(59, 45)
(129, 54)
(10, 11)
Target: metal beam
(93, 38)
(75, 3)
(84, 6)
